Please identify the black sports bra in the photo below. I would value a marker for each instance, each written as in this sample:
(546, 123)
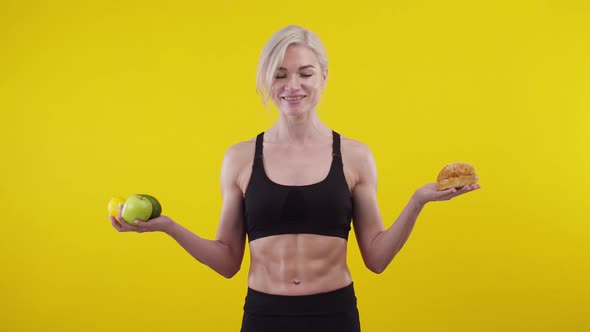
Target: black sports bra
(323, 208)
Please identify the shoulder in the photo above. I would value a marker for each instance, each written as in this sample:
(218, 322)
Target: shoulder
(240, 150)
(237, 157)
(359, 164)
(356, 151)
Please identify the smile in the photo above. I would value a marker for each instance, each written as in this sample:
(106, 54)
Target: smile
(293, 98)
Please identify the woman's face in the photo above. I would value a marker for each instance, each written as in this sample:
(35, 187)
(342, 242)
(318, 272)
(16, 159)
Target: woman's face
(298, 82)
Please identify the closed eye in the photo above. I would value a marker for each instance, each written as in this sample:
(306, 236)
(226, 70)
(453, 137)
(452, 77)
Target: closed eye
(302, 75)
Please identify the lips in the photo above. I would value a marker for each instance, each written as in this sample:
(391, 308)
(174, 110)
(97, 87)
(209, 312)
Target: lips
(293, 98)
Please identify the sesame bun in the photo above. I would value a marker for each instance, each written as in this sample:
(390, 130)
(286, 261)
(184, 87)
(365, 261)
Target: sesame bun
(456, 175)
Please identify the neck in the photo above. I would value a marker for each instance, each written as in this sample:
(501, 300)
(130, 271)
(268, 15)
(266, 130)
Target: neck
(299, 129)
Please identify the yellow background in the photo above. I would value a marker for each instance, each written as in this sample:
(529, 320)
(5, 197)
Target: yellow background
(105, 98)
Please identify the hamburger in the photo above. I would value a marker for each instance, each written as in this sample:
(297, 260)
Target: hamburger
(456, 175)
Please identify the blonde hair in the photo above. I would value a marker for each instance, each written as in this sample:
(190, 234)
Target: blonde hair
(273, 53)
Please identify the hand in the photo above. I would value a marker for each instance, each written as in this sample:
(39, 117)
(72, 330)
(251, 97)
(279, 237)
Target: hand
(158, 224)
(429, 193)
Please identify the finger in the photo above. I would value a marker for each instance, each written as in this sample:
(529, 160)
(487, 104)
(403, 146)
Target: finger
(143, 225)
(451, 191)
(115, 223)
(465, 189)
(446, 195)
(448, 191)
(120, 216)
(122, 225)
(114, 219)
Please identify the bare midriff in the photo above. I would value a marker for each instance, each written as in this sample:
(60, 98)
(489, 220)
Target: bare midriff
(298, 264)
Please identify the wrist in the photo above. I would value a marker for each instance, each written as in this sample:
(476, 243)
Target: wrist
(417, 202)
(170, 228)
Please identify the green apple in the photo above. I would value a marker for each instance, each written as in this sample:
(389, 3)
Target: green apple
(137, 207)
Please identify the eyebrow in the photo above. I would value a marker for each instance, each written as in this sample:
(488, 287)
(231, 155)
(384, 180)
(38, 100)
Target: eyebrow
(300, 68)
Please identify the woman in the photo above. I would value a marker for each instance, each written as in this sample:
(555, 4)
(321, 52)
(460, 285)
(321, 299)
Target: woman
(293, 191)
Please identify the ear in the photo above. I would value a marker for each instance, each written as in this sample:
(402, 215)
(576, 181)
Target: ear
(324, 78)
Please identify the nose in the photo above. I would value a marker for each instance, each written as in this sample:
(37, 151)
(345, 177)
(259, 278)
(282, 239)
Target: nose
(293, 83)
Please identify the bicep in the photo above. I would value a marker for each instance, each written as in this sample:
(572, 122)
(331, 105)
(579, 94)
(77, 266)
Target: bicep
(231, 230)
(366, 215)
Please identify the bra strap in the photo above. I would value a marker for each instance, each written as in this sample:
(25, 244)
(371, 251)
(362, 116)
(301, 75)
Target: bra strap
(259, 139)
(335, 144)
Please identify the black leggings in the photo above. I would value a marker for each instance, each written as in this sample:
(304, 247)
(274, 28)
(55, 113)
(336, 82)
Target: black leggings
(332, 311)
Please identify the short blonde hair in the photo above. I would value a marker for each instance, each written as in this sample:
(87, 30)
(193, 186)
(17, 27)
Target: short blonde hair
(274, 50)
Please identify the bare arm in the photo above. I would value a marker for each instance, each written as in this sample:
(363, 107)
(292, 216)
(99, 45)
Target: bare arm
(379, 245)
(224, 254)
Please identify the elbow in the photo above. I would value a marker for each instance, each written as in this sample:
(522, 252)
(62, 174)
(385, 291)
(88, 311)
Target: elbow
(376, 267)
(230, 272)
(229, 264)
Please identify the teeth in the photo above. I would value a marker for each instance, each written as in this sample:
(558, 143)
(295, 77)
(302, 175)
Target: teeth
(293, 98)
